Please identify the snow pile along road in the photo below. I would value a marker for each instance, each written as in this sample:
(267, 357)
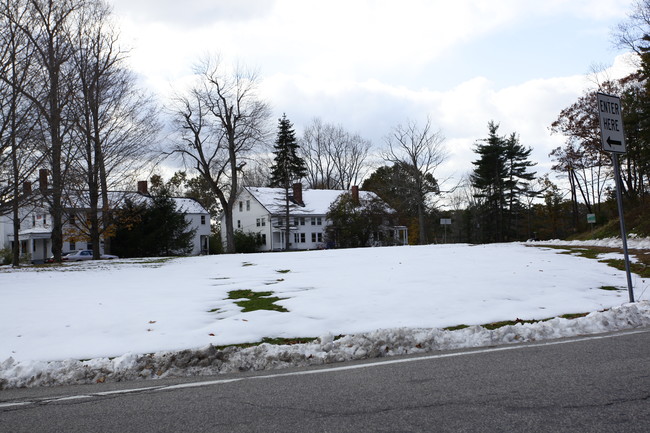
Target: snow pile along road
(324, 350)
(633, 242)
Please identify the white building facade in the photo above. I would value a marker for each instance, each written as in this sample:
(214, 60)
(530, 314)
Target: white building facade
(35, 234)
(262, 210)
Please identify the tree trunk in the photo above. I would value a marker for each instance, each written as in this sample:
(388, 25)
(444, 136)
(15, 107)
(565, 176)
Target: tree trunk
(421, 224)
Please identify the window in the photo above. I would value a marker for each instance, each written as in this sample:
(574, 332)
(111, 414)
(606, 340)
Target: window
(89, 246)
(263, 239)
(241, 206)
(302, 221)
(320, 237)
(33, 220)
(71, 219)
(296, 238)
(313, 237)
(302, 237)
(72, 246)
(319, 221)
(263, 222)
(239, 223)
(44, 219)
(202, 219)
(258, 221)
(248, 205)
(313, 221)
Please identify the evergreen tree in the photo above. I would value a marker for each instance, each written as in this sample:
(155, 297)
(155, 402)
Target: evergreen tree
(288, 167)
(154, 230)
(501, 175)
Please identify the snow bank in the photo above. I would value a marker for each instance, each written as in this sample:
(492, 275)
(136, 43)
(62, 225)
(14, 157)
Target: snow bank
(399, 341)
(633, 242)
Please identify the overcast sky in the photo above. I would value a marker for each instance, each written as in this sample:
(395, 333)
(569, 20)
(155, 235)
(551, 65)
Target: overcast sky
(369, 65)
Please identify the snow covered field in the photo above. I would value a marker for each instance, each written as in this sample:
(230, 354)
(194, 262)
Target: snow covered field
(147, 318)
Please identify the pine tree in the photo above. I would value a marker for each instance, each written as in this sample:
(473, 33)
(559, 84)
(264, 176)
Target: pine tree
(288, 166)
(501, 175)
(152, 229)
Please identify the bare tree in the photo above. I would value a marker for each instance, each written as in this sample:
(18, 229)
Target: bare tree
(19, 156)
(47, 28)
(421, 150)
(335, 158)
(257, 171)
(115, 124)
(220, 121)
(582, 159)
(633, 33)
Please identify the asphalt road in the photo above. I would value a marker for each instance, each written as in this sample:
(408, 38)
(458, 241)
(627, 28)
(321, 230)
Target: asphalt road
(589, 384)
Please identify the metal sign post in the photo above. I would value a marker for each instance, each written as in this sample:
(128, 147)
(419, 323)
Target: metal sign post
(613, 141)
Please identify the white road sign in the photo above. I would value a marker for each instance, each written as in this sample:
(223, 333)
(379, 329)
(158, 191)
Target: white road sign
(611, 123)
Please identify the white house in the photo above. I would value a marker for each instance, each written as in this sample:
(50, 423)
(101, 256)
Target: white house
(262, 210)
(36, 224)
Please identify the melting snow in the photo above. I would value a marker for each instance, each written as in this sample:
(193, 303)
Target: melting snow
(135, 319)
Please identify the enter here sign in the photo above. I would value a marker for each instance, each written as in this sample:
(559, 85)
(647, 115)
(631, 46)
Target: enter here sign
(611, 123)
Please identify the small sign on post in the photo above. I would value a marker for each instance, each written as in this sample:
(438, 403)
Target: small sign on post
(445, 222)
(613, 141)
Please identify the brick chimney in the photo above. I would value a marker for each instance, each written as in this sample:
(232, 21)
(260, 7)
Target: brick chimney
(355, 194)
(297, 193)
(143, 187)
(42, 179)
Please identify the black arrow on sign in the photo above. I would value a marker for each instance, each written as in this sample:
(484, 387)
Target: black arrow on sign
(613, 142)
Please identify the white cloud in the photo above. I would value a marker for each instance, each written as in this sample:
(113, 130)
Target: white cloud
(369, 65)
(462, 113)
(192, 13)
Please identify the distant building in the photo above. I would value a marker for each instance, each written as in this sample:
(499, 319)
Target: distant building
(262, 210)
(35, 235)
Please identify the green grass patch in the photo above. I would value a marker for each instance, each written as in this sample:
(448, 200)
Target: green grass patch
(283, 271)
(495, 325)
(214, 310)
(587, 253)
(641, 269)
(608, 288)
(247, 264)
(574, 316)
(249, 300)
(268, 340)
(455, 328)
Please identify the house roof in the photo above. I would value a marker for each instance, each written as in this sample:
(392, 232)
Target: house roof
(189, 206)
(117, 199)
(317, 201)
